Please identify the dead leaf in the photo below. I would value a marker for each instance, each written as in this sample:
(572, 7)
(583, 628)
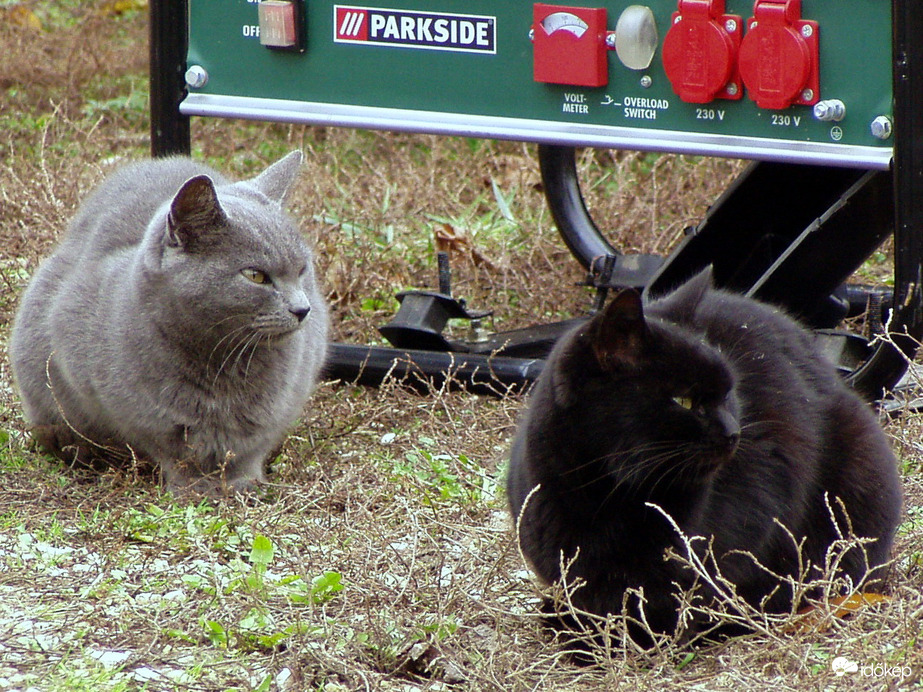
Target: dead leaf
(117, 7)
(813, 618)
(449, 239)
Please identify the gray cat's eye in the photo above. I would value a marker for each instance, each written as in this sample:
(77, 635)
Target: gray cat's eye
(256, 276)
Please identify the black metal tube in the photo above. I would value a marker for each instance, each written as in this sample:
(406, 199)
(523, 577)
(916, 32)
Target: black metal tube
(371, 365)
(169, 36)
(568, 209)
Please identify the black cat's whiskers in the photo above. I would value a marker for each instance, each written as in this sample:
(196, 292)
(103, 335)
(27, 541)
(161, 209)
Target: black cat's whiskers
(609, 471)
(650, 459)
(635, 466)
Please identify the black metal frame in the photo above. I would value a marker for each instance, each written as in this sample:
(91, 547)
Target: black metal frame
(169, 42)
(770, 234)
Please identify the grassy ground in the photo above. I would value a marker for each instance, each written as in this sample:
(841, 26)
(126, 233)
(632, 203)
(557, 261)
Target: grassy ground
(382, 557)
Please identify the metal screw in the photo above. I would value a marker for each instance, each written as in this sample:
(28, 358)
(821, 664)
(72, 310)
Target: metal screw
(646, 81)
(807, 30)
(807, 94)
(532, 34)
(881, 127)
(830, 110)
(731, 89)
(677, 19)
(196, 77)
(730, 26)
(610, 40)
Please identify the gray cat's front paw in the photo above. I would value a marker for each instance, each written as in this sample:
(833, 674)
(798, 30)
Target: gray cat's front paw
(214, 486)
(74, 449)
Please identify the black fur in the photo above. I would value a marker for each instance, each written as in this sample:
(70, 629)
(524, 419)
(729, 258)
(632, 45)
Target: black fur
(717, 409)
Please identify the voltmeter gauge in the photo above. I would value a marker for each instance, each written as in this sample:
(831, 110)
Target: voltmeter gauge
(564, 21)
(569, 45)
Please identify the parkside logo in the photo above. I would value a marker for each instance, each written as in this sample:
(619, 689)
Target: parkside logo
(466, 33)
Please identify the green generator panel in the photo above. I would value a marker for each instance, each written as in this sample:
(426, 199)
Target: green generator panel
(785, 80)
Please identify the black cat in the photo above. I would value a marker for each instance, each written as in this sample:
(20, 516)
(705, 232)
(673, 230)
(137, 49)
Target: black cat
(720, 411)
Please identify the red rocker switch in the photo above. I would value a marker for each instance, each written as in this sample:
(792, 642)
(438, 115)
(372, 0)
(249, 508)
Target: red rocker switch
(570, 45)
(700, 52)
(779, 56)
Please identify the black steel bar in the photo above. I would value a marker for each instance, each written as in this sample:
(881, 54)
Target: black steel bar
(753, 221)
(423, 370)
(907, 44)
(169, 37)
(831, 248)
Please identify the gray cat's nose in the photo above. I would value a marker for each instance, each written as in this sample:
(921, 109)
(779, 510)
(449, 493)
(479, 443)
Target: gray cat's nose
(300, 313)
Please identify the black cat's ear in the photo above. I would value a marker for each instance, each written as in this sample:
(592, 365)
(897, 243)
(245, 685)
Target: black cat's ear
(684, 300)
(617, 334)
(194, 210)
(276, 181)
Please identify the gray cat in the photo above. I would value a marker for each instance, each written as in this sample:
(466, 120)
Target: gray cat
(179, 318)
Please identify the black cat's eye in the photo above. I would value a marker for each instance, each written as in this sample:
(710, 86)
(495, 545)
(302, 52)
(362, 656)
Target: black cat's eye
(256, 276)
(684, 401)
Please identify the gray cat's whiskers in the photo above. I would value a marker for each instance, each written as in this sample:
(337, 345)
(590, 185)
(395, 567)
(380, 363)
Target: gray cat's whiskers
(251, 341)
(227, 353)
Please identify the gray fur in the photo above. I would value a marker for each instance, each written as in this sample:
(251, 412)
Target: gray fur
(143, 330)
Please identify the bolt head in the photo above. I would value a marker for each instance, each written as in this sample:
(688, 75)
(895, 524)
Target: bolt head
(807, 31)
(881, 127)
(730, 26)
(831, 110)
(646, 81)
(196, 77)
(731, 89)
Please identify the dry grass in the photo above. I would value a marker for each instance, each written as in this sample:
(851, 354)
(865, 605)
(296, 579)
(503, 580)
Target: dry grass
(382, 556)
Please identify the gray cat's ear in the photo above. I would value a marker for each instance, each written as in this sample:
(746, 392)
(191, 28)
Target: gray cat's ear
(193, 211)
(617, 334)
(276, 181)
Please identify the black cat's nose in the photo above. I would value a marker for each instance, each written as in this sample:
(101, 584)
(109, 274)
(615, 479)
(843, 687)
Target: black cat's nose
(730, 427)
(300, 313)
